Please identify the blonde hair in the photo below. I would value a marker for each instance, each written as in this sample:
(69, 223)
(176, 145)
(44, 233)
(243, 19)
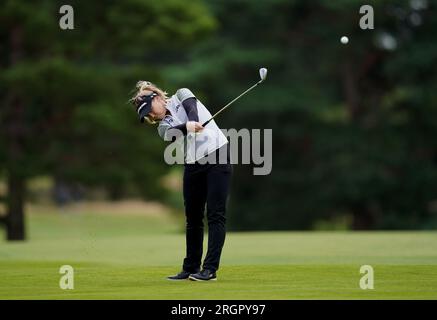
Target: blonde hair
(144, 88)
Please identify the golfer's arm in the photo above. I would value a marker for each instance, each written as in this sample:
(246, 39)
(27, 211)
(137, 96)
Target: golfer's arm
(190, 106)
(189, 102)
(170, 133)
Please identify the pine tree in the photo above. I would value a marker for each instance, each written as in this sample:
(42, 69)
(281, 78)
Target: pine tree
(64, 93)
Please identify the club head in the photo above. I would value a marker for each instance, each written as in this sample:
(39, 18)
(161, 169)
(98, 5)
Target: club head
(263, 73)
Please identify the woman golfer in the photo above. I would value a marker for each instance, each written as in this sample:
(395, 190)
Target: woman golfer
(207, 171)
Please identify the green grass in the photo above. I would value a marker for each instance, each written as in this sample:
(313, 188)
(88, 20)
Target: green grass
(129, 256)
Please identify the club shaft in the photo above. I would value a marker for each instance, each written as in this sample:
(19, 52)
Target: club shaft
(226, 106)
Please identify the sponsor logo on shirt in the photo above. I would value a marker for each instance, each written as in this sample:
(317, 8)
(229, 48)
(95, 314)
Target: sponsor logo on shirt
(168, 119)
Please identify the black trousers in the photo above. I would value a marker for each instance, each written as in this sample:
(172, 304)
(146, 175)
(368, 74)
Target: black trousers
(205, 184)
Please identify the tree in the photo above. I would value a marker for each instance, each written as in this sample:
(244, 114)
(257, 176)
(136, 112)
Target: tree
(63, 93)
(353, 126)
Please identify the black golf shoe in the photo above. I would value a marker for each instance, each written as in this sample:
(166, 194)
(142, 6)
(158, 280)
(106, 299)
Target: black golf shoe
(204, 275)
(183, 275)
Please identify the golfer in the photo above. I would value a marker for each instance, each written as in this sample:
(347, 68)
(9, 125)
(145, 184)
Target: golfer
(180, 119)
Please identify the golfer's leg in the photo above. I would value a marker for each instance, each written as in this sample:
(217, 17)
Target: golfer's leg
(219, 177)
(194, 186)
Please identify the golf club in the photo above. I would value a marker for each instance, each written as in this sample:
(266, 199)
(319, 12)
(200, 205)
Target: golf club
(262, 74)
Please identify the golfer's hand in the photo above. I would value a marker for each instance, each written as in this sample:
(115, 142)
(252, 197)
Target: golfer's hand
(193, 126)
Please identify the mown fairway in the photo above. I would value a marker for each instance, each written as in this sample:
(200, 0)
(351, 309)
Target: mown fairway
(125, 256)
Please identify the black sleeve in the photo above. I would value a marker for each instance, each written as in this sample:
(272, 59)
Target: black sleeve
(190, 106)
(181, 130)
(182, 127)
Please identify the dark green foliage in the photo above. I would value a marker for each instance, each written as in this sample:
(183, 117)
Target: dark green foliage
(64, 93)
(354, 127)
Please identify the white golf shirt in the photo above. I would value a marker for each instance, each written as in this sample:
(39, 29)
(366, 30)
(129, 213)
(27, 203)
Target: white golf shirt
(200, 144)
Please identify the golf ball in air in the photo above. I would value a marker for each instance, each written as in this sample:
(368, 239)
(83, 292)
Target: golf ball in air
(344, 40)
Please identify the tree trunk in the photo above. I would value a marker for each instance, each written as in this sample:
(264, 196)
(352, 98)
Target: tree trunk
(350, 90)
(115, 192)
(15, 217)
(16, 132)
(363, 218)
